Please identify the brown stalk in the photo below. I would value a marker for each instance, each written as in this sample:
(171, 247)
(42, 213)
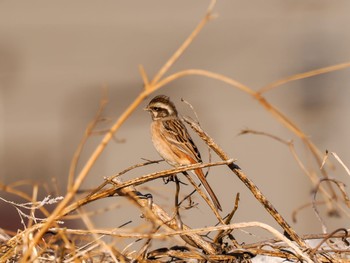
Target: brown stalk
(312, 176)
(134, 182)
(251, 186)
(205, 197)
(273, 110)
(303, 75)
(190, 232)
(149, 88)
(86, 136)
(156, 214)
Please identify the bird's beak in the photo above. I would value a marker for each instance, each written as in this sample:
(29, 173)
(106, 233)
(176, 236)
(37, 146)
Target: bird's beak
(147, 109)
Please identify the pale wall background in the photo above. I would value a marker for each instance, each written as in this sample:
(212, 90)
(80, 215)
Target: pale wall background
(55, 56)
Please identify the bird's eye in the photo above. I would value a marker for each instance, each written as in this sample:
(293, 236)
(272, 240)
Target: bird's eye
(156, 108)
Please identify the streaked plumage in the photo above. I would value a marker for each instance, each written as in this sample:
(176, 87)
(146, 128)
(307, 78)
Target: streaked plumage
(172, 140)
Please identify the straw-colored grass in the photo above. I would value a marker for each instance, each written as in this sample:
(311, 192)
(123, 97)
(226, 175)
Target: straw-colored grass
(44, 240)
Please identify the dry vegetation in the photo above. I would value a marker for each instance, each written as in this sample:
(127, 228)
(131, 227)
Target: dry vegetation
(44, 240)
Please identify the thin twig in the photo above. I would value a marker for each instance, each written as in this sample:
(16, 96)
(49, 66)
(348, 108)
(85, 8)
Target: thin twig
(83, 141)
(128, 234)
(263, 102)
(152, 176)
(205, 197)
(252, 187)
(312, 176)
(185, 44)
(57, 213)
(221, 234)
(303, 75)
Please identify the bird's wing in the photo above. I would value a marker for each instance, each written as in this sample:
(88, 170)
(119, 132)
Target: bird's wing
(178, 136)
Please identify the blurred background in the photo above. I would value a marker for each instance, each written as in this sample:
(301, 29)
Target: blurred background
(57, 57)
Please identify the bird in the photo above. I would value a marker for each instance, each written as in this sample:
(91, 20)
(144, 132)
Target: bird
(172, 140)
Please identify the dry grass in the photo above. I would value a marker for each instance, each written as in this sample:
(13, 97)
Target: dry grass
(44, 240)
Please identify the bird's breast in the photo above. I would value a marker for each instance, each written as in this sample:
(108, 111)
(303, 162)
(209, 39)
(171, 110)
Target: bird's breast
(165, 148)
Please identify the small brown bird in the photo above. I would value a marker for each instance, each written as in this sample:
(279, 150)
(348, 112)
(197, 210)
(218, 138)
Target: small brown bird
(172, 140)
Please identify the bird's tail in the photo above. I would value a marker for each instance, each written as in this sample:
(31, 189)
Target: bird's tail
(208, 189)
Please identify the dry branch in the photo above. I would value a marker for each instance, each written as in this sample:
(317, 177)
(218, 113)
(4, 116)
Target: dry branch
(149, 88)
(252, 187)
(28, 245)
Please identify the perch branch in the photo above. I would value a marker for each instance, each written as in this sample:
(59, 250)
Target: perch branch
(57, 213)
(252, 187)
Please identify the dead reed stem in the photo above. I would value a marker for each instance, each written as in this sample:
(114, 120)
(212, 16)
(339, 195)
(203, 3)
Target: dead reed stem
(252, 187)
(151, 86)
